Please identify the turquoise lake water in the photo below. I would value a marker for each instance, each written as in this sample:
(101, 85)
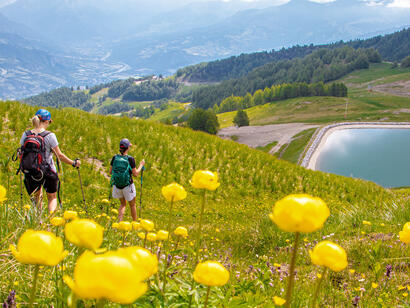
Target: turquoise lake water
(378, 155)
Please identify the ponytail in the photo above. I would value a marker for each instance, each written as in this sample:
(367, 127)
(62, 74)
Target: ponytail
(36, 121)
(122, 150)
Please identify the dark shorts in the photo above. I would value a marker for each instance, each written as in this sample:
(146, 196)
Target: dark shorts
(49, 182)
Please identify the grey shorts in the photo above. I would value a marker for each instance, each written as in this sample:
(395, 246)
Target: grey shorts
(128, 192)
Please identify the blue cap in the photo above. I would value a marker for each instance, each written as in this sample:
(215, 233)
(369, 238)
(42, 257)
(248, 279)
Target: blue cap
(44, 115)
(125, 143)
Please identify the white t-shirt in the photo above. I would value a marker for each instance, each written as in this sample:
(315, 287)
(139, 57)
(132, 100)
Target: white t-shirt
(50, 142)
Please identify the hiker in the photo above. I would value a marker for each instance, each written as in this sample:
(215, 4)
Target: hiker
(122, 169)
(36, 160)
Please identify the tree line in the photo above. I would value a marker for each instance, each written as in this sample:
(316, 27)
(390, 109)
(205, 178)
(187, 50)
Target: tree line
(323, 65)
(280, 92)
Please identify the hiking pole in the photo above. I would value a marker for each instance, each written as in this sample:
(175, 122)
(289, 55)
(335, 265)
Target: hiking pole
(14, 158)
(142, 172)
(81, 184)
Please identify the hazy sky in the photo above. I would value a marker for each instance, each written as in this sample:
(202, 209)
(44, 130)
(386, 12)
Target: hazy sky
(172, 3)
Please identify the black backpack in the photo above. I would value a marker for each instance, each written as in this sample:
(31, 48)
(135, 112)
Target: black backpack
(33, 155)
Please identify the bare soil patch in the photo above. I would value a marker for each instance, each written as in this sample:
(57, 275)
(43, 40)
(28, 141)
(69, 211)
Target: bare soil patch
(98, 166)
(398, 88)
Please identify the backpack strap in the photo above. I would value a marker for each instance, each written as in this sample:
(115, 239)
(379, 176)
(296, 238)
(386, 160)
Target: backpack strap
(44, 134)
(28, 133)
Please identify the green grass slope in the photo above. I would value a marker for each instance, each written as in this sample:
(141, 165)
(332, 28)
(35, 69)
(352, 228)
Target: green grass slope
(236, 219)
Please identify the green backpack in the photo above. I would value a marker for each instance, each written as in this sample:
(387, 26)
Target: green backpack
(120, 176)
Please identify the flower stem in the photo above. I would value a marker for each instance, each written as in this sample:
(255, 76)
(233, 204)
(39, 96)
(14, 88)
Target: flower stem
(292, 270)
(100, 303)
(207, 296)
(123, 239)
(34, 286)
(318, 287)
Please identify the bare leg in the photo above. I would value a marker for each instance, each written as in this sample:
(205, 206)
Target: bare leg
(122, 209)
(52, 202)
(133, 209)
(38, 199)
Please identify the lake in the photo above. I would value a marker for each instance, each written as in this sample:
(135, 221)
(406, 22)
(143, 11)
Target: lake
(379, 155)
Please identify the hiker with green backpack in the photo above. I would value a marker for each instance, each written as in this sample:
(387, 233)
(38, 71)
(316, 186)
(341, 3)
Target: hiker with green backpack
(122, 169)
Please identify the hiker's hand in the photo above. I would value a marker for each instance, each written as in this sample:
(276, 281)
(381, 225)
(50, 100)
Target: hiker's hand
(142, 163)
(76, 163)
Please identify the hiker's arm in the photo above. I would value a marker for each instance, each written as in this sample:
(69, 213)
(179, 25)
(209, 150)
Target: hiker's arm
(110, 169)
(135, 171)
(64, 158)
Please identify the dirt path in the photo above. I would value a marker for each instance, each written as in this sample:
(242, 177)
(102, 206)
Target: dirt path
(256, 136)
(98, 166)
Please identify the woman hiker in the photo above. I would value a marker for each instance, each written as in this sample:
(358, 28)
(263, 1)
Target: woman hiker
(122, 169)
(36, 160)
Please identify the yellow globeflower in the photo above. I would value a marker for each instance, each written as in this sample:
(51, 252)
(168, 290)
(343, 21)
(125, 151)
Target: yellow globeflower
(57, 221)
(84, 233)
(405, 234)
(136, 226)
(143, 259)
(111, 275)
(27, 207)
(181, 231)
(174, 192)
(151, 236)
(162, 235)
(3, 193)
(68, 215)
(279, 301)
(205, 179)
(125, 226)
(115, 225)
(39, 247)
(329, 254)
(300, 213)
(147, 225)
(114, 211)
(211, 273)
(141, 235)
(105, 201)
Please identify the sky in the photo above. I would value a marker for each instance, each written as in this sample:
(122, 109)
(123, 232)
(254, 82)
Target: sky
(173, 3)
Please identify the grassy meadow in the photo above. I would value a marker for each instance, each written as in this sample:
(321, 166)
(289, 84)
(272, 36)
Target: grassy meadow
(364, 218)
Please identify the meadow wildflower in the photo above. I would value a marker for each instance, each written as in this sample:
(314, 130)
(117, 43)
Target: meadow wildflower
(278, 301)
(136, 226)
(125, 226)
(404, 235)
(144, 259)
(300, 213)
(105, 201)
(211, 273)
(3, 193)
(147, 225)
(84, 233)
(27, 207)
(151, 236)
(69, 215)
(174, 192)
(367, 223)
(57, 221)
(162, 235)
(181, 231)
(115, 225)
(330, 255)
(39, 247)
(119, 279)
(205, 179)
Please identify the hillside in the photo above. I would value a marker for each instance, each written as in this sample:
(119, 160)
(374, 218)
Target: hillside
(236, 225)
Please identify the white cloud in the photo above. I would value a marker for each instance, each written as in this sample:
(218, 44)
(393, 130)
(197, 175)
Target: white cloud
(400, 3)
(322, 1)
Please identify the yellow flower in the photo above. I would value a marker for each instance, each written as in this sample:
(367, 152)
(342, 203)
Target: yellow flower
(382, 224)
(205, 179)
(374, 285)
(144, 260)
(181, 231)
(151, 236)
(405, 294)
(211, 273)
(162, 235)
(352, 271)
(277, 265)
(114, 211)
(330, 255)
(147, 225)
(3, 193)
(141, 235)
(105, 201)
(112, 276)
(84, 233)
(68, 215)
(57, 221)
(174, 192)
(115, 225)
(279, 301)
(124, 226)
(319, 275)
(368, 223)
(39, 247)
(27, 207)
(136, 226)
(300, 213)
(405, 234)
